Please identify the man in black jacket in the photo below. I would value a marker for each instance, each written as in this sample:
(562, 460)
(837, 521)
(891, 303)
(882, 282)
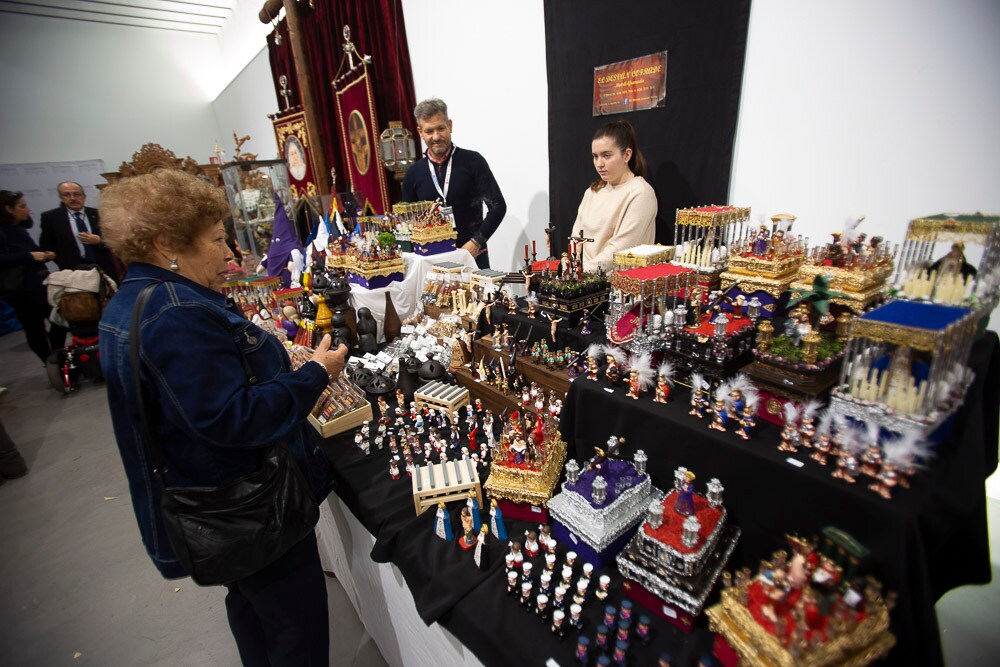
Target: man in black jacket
(461, 178)
(73, 232)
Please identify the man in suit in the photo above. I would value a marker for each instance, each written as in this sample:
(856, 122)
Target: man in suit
(73, 232)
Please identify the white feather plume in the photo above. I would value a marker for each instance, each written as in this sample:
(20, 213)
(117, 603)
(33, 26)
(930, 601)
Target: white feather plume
(810, 409)
(595, 350)
(851, 228)
(666, 371)
(620, 356)
(644, 364)
(698, 381)
(791, 412)
(825, 423)
(907, 450)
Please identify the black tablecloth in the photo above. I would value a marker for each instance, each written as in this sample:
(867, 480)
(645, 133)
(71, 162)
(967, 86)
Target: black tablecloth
(539, 327)
(927, 540)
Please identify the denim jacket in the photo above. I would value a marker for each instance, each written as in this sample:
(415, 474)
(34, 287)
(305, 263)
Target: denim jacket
(213, 426)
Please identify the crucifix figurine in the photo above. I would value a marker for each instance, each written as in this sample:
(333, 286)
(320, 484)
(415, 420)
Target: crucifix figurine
(580, 240)
(555, 324)
(285, 92)
(549, 231)
(528, 275)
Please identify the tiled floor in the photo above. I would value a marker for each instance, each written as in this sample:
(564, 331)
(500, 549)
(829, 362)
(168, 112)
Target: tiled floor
(76, 587)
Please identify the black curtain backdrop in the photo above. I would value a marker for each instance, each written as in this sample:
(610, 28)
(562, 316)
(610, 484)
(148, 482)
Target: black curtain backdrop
(688, 144)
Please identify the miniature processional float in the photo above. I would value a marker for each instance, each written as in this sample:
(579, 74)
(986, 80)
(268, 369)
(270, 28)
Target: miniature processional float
(598, 509)
(807, 606)
(677, 555)
(905, 367)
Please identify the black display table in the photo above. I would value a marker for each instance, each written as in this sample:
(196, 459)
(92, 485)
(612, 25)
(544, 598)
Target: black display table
(926, 541)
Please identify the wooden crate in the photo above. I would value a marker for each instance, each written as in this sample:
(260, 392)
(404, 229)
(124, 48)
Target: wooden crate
(351, 420)
(444, 482)
(439, 395)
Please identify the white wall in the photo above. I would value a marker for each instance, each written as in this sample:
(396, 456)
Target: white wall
(240, 41)
(243, 107)
(487, 61)
(885, 109)
(76, 91)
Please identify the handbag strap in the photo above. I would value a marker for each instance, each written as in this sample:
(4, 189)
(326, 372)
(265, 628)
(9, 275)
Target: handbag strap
(145, 403)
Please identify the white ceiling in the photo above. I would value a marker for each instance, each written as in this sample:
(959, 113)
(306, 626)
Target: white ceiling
(200, 16)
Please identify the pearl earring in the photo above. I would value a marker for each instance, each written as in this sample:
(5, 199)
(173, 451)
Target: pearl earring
(173, 265)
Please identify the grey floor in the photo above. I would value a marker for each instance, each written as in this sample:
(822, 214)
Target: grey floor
(76, 587)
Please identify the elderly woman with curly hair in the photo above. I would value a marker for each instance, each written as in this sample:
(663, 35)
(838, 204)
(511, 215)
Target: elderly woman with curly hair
(212, 424)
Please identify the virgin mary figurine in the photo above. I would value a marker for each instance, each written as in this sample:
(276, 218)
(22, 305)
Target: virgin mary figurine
(442, 523)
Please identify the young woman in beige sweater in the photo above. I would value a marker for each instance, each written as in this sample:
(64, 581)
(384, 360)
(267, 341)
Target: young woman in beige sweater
(618, 211)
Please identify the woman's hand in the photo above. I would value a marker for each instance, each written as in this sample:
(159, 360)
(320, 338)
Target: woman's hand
(332, 360)
(39, 256)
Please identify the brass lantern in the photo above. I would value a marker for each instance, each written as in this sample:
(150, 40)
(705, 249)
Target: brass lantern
(810, 347)
(753, 308)
(397, 149)
(765, 332)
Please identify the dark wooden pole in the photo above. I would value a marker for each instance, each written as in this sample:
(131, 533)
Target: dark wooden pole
(302, 75)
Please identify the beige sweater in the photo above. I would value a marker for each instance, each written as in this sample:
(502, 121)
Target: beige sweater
(617, 218)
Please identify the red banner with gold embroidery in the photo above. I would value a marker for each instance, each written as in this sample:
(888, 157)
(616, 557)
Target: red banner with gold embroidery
(296, 147)
(357, 123)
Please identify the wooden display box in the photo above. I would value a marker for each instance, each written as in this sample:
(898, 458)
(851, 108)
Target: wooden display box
(441, 396)
(490, 396)
(556, 380)
(347, 422)
(443, 483)
(436, 312)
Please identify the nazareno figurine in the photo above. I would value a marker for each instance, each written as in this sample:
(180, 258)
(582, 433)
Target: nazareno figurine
(684, 505)
(442, 523)
(699, 401)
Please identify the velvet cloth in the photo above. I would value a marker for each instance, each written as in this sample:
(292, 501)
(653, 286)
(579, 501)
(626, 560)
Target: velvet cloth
(688, 144)
(378, 30)
(537, 328)
(925, 541)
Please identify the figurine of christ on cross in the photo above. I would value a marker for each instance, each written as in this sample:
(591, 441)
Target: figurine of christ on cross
(579, 241)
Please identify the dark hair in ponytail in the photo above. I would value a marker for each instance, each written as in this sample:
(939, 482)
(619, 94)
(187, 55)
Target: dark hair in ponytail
(623, 135)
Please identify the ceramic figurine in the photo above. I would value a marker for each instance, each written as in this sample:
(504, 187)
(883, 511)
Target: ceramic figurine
(469, 538)
(585, 323)
(531, 547)
(699, 399)
(558, 627)
(496, 521)
(481, 556)
(517, 553)
(393, 468)
(575, 619)
(442, 523)
(603, 583)
(614, 357)
(664, 382)
(684, 505)
(512, 586)
(748, 420)
(594, 352)
(870, 458)
(807, 427)
(526, 593)
(601, 637)
(640, 375)
(559, 601)
(790, 438)
(846, 441)
(720, 414)
(542, 606)
(582, 650)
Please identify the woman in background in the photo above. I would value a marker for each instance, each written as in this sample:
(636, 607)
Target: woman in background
(20, 254)
(618, 210)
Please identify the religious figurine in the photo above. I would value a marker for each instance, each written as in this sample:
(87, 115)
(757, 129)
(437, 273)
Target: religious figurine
(542, 606)
(664, 382)
(468, 539)
(393, 468)
(585, 323)
(640, 375)
(790, 438)
(760, 244)
(847, 462)
(870, 460)
(748, 418)
(442, 523)
(720, 415)
(593, 354)
(481, 556)
(496, 521)
(517, 553)
(532, 301)
(531, 543)
(603, 583)
(512, 582)
(807, 426)
(824, 436)
(684, 505)
(699, 399)
(558, 627)
(472, 503)
(554, 326)
(614, 356)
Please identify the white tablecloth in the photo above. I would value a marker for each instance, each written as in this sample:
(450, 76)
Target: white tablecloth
(381, 597)
(406, 292)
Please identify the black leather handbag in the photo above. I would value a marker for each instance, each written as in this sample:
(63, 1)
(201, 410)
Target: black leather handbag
(222, 534)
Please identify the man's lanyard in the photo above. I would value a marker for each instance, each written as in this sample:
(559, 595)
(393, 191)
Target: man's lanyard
(447, 175)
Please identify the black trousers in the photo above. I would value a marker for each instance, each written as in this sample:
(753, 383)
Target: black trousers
(33, 310)
(279, 616)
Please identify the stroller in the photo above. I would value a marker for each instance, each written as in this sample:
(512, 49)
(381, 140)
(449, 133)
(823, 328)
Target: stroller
(78, 299)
